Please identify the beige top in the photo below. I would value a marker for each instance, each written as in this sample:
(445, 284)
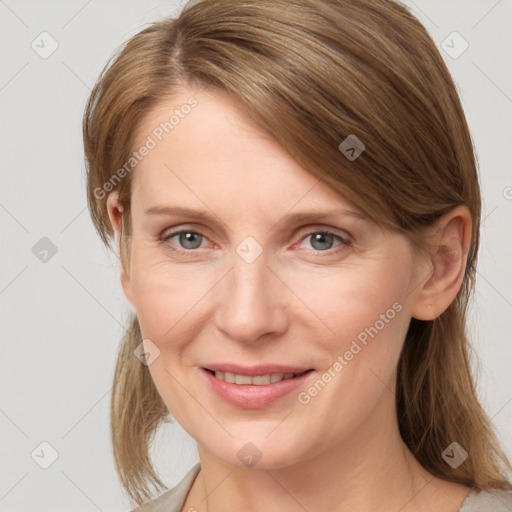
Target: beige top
(174, 499)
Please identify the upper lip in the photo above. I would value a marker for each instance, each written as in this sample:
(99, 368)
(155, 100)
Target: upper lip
(259, 369)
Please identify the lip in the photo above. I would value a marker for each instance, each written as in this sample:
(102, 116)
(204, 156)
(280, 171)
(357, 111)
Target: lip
(249, 396)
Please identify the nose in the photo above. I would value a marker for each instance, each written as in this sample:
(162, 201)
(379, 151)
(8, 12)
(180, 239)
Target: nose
(251, 302)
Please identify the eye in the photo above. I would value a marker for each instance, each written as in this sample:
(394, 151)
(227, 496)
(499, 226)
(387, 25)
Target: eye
(325, 240)
(187, 240)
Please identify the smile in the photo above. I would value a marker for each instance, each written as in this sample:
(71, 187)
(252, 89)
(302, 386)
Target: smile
(256, 380)
(254, 391)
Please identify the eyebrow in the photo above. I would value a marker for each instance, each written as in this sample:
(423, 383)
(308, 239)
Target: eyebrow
(307, 216)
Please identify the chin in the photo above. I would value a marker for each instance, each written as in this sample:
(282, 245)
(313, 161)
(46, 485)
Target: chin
(259, 452)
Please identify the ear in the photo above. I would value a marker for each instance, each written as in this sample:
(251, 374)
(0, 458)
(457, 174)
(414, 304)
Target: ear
(448, 258)
(115, 214)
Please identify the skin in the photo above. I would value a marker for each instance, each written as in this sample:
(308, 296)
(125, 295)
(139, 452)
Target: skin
(299, 303)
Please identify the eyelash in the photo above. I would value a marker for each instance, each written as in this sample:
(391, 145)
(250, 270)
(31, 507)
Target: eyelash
(344, 242)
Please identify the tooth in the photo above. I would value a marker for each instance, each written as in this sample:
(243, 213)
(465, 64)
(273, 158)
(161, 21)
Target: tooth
(257, 380)
(243, 379)
(229, 377)
(261, 379)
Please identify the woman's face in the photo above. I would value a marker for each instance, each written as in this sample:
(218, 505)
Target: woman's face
(273, 273)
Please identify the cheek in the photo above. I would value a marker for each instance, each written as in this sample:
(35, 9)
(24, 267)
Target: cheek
(170, 299)
(171, 305)
(355, 302)
(367, 310)
(339, 305)
(163, 301)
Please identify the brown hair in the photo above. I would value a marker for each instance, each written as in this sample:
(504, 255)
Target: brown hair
(311, 73)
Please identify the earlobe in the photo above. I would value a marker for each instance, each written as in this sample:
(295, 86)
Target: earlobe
(115, 214)
(451, 240)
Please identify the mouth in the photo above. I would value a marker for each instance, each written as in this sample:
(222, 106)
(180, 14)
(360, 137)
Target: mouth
(254, 388)
(255, 380)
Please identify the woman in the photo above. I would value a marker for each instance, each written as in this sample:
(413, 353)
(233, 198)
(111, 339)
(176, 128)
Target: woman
(294, 193)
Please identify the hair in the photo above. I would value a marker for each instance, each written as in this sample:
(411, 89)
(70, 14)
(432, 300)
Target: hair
(311, 73)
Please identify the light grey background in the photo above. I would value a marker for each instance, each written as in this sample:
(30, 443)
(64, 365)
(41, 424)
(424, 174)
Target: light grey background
(61, 319)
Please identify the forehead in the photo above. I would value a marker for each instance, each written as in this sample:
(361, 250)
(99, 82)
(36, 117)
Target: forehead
(213, 151)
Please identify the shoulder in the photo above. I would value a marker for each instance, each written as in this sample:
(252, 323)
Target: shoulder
(173, 499)
(487, 501)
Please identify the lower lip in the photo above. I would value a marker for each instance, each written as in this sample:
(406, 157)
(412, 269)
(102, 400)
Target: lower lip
(248, 396)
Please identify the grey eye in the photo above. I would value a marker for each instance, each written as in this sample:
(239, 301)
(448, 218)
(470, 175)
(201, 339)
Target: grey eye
(187, 239)
(322, 241)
